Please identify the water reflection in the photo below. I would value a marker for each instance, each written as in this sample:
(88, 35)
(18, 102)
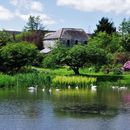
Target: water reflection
(103, 109)
(86, 102)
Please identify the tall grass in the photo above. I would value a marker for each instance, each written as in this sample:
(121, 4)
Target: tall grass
(25, 80)
(6, 80)
(81, 81)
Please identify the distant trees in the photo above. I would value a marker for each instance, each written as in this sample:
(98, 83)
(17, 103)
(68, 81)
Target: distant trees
(105, 26)
(33, 32)
(31, 37)
(124, 27)
(5, 37)
(34, 24)
(111, 43)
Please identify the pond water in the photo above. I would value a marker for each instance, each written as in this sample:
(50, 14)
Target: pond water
(104, 109)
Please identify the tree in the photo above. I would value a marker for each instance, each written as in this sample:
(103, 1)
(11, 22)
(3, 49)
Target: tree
(126, 42)
(13, 56)
(56, 57)
(34, 24)
(75, 57)
(124, 27)
(5, 37)
(105, 26)
(31, 37)
(110, 43)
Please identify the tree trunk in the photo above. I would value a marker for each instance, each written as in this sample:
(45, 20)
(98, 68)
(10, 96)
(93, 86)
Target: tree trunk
(76, 71)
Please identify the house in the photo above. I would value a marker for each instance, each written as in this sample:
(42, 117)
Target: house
(68, 36)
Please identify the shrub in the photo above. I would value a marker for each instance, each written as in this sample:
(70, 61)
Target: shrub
(14, 56)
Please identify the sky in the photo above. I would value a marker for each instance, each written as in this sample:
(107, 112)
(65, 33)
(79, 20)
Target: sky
(56, 14)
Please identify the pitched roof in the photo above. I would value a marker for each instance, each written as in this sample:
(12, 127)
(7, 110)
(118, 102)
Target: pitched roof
(67, 33)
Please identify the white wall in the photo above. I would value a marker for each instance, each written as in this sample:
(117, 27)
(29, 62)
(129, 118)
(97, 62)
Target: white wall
(49, 43)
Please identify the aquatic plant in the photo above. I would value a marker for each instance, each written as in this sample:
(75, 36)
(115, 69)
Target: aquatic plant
(82, 81)
(25, 80)
(6, 80)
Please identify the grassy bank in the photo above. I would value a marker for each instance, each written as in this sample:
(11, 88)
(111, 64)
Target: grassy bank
(62, 76)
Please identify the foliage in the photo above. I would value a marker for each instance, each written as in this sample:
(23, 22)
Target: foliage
(121, 57)
(110, 43)
(25, 80)
(38, 60)
(55, 58)
(96, 56)
(34, 24)
(126, 42)
(76, 57)
(124, 27)
(105, 26)
(35, 37)
(73, 80)
(5, 37)
(16, 55)
(6, 81)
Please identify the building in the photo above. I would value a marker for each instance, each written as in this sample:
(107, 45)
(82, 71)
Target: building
(68, 36)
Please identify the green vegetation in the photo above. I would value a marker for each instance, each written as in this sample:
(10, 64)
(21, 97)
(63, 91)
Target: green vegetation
(105, 26)
(73, 80)
(5, 38)
(14, 56)
(100, 61)
(25, 80)
(34, 24)
(75, 57)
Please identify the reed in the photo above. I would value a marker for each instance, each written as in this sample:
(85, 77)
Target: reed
(31, 79)
(6, 80)
(81, 81)
(25, 80)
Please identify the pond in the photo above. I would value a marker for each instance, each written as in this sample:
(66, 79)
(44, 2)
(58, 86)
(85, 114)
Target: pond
(104, 109)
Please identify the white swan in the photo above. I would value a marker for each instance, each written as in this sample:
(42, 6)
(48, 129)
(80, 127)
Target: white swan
(115, 87)
(43, 89)
(123, 88)
(93, 87)
(77, 87)
(50, 90)
(32, 88)
(57, 89)
(69, 87)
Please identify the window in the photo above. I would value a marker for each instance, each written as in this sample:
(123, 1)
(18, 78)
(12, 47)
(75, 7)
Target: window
(85, 42)
(68, 42)
(76, 42)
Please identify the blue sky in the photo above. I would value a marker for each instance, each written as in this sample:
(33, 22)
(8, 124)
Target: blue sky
(56, 14)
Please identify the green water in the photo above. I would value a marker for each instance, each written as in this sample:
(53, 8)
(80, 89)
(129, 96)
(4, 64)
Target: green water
(104, 109)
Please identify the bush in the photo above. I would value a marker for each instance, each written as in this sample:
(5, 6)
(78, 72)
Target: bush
(14, 56)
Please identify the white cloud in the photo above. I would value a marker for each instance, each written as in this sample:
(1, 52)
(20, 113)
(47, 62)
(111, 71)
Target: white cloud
(25, 8)
(114, 6)
(5, 14)
(46, 20)
(28, 5)
(37, 6)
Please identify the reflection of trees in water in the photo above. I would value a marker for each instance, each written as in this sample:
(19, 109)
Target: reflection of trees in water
(103, 102)
(88, 110)
(31, 109)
